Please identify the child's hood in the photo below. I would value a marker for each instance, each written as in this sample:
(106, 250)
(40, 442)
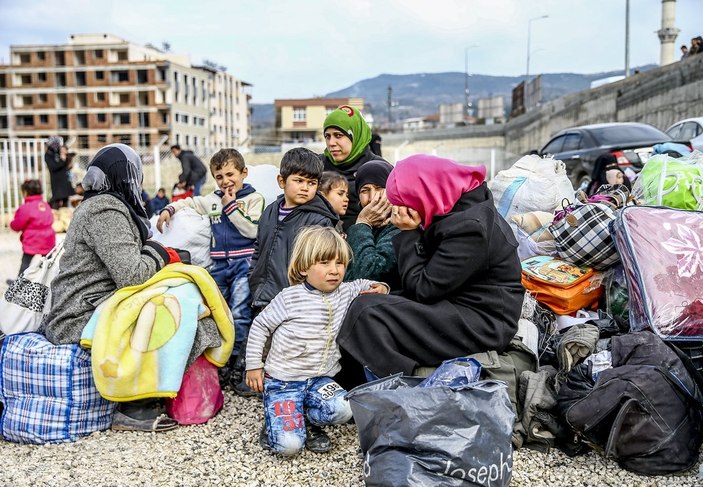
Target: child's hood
(317, 205)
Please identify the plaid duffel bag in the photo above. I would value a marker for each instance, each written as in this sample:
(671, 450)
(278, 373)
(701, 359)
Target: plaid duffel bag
(48, 392)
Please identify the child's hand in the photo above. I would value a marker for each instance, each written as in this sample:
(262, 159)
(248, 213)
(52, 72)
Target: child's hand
(377, 288)
(229, 196)
(255, 379)
(164, 217)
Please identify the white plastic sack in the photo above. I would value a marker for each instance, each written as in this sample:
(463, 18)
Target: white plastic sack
(263, 180)
(531, 184)
(28, 298)
(188, 231)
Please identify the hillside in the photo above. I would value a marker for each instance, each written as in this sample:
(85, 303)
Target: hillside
(416, 95)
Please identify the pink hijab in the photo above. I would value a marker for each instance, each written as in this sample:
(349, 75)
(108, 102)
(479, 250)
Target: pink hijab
(431, 185)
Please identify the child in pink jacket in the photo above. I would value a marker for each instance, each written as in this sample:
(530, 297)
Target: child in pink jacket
(34, 219)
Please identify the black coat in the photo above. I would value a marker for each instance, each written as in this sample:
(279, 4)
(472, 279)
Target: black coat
(348, 170)
(461, 293)
(61, 187)
(193, 168)
(268, 273)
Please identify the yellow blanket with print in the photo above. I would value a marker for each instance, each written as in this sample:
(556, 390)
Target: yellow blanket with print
(141, 336)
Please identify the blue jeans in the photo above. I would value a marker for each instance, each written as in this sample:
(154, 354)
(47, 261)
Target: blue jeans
(287, 403)
(231, 277)
(199, 185)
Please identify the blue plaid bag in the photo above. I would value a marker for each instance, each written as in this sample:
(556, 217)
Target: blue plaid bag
(48, 392)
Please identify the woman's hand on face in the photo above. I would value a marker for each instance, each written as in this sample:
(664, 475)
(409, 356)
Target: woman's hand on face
(377, 213)
(405, 218)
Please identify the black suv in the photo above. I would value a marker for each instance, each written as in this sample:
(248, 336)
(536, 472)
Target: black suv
(578, 147)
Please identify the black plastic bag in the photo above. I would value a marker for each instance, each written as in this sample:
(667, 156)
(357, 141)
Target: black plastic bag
(436, 435)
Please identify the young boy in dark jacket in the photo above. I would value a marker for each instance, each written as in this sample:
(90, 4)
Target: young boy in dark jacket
(299, 206)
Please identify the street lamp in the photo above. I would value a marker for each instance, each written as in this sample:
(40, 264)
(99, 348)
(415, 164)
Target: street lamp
(466, 113)
(527, 70)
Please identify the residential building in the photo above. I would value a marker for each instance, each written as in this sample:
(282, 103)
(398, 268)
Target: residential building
(419, 124)
(492, 109)
(101, 89)
(301, 120)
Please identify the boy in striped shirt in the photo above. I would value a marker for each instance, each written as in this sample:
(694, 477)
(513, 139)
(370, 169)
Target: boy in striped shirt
(303, 321)
(234, 210)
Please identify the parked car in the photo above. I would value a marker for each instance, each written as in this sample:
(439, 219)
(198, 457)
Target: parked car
(579, 147)
(689, 129)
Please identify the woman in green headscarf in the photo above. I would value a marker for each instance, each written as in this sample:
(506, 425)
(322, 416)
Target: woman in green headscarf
(347, 136)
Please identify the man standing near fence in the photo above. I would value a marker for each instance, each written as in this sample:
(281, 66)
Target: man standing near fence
(193, 170)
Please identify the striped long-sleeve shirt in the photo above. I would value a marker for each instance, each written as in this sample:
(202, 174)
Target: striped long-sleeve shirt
(304, 324)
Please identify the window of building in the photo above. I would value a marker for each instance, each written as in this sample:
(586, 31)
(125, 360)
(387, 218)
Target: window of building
(83, 142)
(187, 140)
(62, 121)
(143, 98)
(98, 53)
(25, 120)
(101, 117)
(43, 98)
(177, 117)
(3, 121)
(144, 140)
(124, 98)
(185, 119)
(26, 79)
(164, 118)
(41, 55)
(26, 100)
(79, 57)
(41, 77)
(144, 119)
(100, 96)
(82, 120)
(122, 55)
(61, 80)
(161, 74)
(25, 58)
(124, 139)
(299, 114)
(102, 138)
(3, 101)
(80, 78)
(100, 75)
(3, 81)
(121, 119)
(329, 110)
(142, 76)
(61, 100)
(178, 138)
(60, 58)
(119, 76)
(43, 118)
(81, 100)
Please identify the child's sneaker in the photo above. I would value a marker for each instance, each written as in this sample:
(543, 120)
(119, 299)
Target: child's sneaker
(317, 440)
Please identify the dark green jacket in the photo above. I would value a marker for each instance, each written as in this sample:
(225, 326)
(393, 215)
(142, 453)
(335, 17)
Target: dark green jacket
(374, 255)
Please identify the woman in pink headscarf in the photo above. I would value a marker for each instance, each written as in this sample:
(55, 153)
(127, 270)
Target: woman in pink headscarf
(460, 274)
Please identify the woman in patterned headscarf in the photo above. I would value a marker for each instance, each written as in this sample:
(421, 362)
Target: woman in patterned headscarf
(61, 187)
(106, 249)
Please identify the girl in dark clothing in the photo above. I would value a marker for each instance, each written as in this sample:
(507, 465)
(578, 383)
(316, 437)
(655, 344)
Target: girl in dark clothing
(59, 167)
(459, 269)
(347, 136)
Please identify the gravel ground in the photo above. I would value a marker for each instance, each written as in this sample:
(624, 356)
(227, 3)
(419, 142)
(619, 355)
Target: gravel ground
(225, 451)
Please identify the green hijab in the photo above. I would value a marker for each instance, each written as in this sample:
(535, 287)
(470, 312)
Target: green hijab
(350, 121)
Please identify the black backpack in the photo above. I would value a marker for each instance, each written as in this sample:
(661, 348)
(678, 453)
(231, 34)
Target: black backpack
(646, 412)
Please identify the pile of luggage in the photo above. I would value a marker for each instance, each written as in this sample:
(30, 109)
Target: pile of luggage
(615, 280)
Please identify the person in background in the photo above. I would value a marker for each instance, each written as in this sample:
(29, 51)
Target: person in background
(347, 139)
(194, 172)
(335, 189)
(147, 203)
(59, 169)
(376, 144)
(695, 46)
(299, 392)
(159, 201)
(371, 237)
(459, 269)
(34, 219)
(684, 52)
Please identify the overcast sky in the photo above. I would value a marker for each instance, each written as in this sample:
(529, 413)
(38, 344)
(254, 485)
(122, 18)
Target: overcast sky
(304, 48)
